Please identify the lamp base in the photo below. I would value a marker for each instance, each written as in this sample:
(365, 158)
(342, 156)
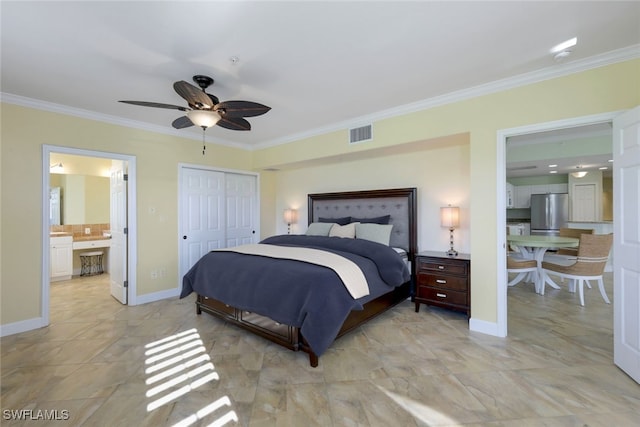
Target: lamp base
(452, 252)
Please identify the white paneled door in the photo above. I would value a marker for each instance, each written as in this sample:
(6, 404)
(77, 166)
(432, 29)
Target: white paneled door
(118, 251)
(217, 210)
(626, 241)
(241, 210)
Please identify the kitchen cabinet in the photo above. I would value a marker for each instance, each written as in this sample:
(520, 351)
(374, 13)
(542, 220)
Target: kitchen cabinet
(60, 258)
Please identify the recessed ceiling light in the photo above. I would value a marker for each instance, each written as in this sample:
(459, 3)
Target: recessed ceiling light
(603, 168)
(610, 160)
(553, 166)
(553, 171)
(564, 45)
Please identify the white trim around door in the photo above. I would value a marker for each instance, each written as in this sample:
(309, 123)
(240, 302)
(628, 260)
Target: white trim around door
(500, 329)
(132, 226)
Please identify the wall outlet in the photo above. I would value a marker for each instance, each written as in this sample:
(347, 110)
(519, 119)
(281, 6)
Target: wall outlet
(154, 274)
(87, 230)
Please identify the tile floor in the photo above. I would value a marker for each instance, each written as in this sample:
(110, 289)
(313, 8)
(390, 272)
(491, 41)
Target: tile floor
(103, 364)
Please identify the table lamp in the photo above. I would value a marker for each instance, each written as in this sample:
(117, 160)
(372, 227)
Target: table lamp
(450, 218)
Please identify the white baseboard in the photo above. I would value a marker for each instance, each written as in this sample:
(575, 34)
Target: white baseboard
(484, 327)
(22, 326)
(156, 296)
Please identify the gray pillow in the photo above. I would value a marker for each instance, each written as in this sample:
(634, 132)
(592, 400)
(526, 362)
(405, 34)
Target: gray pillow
(379, 233)
(319, 228)
(377, 220)
(342, 221)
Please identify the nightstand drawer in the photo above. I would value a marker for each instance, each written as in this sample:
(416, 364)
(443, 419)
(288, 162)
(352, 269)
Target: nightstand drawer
(442, 281)
(442, 295)
(443, 267)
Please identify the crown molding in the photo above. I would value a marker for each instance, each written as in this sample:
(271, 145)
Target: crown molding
(558, 70)
(555, 71)
(37, 104)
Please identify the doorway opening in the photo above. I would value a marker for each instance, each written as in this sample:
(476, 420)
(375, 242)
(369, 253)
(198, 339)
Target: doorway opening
(93, 217)
(502, 137)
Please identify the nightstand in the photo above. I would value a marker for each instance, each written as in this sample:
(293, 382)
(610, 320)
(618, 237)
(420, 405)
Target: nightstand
(443, 281)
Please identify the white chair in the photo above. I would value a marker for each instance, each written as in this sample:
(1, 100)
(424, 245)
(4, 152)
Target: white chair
(522, 267)
(593, 253)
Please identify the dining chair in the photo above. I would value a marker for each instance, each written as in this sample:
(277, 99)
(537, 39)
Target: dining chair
(520, 266)
(572, 232)
(593, 253)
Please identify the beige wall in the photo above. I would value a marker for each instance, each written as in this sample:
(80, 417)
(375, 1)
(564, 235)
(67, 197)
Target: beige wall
(322, 163)
(602, 90)
(23, 133)
(438, 168)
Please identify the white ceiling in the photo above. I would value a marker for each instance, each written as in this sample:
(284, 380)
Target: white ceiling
(319, 65)
(558, 151)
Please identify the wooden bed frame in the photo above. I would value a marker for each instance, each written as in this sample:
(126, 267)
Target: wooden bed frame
(373, 201)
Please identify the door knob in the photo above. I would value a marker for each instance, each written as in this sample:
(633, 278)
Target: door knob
(184, 237)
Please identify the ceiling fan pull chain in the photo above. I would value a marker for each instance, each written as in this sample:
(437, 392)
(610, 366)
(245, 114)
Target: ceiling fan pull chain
(204, 147)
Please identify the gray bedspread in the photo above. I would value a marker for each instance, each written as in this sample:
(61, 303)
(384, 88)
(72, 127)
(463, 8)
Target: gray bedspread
(297, 293)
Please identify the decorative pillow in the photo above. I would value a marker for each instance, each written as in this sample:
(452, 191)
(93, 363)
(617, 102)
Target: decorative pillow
(319, 229)
(380, 233)
(377, 220)
(348, 230)
(342, 221)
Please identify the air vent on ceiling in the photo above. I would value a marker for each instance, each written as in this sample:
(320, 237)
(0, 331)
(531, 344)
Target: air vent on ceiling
(521, 168)
(360, 134)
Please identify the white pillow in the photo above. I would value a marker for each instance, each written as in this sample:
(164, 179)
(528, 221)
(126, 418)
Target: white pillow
(348, 230)
(380, 233)
(319, 229)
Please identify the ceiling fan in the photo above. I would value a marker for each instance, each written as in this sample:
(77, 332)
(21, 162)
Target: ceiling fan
(205, 110)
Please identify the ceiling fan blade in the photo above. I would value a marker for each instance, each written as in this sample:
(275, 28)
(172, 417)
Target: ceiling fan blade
(182, 122)
(242, 108)
(156, 105)
(234, 123)
(193, 95)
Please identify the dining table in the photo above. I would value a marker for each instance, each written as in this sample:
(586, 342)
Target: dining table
(535, 246)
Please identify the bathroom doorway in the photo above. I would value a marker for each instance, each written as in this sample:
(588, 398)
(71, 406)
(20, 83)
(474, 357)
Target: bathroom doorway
(103, 206)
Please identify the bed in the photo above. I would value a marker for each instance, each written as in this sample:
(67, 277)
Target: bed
(299, 304)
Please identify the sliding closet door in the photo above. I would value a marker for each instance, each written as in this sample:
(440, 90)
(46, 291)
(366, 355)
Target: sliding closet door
(202, 214)
(241, 209)
(217, 210)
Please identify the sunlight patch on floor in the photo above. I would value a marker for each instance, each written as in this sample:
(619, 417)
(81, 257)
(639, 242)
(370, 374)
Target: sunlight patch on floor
(419, 410)
(178, 364)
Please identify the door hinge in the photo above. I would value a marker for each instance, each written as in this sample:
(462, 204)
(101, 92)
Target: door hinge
(126, 283)
(126, 230)
(125, 177)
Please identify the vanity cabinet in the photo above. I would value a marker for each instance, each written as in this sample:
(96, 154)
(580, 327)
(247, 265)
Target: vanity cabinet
(60, 258)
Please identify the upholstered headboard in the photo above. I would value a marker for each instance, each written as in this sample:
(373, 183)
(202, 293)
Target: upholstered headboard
(399, 203)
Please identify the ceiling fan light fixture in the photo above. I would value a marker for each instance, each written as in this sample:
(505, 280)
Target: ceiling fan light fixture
(203, 118)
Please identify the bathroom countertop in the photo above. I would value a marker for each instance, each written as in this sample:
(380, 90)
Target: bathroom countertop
(84, 238)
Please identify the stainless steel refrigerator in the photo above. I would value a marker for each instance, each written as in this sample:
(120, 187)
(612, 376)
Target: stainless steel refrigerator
(549, 213)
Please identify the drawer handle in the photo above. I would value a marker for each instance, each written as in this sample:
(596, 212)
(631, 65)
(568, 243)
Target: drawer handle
(441, 267)
(441, 295)
(441, 281)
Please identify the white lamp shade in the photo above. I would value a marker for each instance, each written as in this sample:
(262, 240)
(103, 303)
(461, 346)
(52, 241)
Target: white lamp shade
(450, 217)
(203, 118)
(290, 216)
